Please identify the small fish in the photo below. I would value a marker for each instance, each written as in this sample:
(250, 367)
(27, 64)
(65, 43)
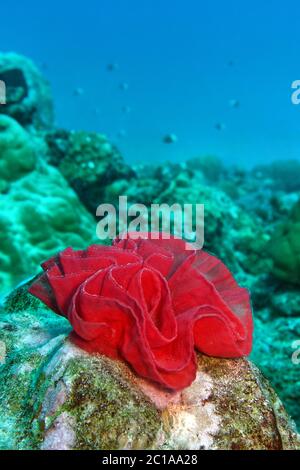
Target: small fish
(124, 86)
(170, 139)
(219, 126)
(230, 63)
(234, 103)
(122, 133)
(126, 109)
(78, 91)
(112, 66)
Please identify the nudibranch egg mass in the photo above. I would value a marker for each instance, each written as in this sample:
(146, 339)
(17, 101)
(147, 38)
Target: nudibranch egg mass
(151, 303)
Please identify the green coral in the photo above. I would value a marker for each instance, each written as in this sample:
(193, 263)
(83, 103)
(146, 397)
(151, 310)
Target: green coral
(39, 213)
(285, 248)
(17, 156)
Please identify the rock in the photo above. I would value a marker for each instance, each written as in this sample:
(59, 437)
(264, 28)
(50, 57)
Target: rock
(170, 139)
(55, 396)
(28, 96)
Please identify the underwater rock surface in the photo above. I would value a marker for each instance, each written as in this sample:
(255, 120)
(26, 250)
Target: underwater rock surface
(55, 396)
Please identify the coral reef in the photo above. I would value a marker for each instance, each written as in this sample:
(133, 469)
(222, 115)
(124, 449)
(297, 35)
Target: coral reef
(28, 97)
(285, 248)
(210, 165)
(17, 153)
(285, 174)
(55, 396)
(51, 181)
(88, 161)
(231, 233)
(39, 212)
(274, 340)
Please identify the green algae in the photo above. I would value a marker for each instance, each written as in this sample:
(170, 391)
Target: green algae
(22, 320)
(108, 414)
(256, 425)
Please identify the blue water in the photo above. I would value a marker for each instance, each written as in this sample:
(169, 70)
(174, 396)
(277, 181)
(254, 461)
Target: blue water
(182, 60)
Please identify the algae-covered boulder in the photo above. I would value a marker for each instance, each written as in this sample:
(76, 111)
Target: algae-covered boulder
(285, 248)
(88, 161)
(28, 97)
(55, 396)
